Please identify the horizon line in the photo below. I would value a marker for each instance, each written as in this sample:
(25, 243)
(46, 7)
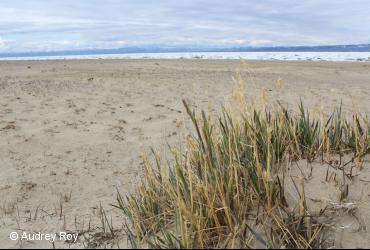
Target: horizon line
(165, 48)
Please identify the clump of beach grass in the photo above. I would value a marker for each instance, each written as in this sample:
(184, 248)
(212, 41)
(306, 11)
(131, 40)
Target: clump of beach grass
(226, 188)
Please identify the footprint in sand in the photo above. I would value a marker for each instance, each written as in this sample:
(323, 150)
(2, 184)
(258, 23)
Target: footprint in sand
(52, 131)
(161, 116)
(27, 186)
(9, 126)
(7, 111)
(138, 131)
(122, 121)
(118, 131)
(80, 110)
(118, 138)
(172, 134)
(69, 124)
(158, 105)
(71, 104)
(175, 110)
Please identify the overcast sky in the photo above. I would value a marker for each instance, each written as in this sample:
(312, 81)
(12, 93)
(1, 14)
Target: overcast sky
(34, 25)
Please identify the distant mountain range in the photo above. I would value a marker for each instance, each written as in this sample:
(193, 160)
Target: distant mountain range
(179, 49)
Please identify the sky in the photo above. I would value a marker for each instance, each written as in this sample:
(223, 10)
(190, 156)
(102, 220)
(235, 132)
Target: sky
(48, 25)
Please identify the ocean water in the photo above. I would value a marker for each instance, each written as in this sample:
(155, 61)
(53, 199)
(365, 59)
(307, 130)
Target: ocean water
(294, 56)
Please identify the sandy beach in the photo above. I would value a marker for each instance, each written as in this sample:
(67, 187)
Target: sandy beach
(73, 131)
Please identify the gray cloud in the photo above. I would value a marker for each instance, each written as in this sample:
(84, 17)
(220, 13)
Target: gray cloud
(67, 24)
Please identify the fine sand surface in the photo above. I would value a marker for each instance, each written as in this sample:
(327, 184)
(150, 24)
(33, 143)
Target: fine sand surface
(72, 132)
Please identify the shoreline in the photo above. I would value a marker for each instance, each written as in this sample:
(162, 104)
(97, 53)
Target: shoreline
(265, 56)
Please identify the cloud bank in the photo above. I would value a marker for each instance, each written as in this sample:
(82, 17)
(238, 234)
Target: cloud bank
(42, 25)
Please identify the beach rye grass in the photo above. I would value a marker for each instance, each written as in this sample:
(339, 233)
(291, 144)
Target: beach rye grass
(226, 189)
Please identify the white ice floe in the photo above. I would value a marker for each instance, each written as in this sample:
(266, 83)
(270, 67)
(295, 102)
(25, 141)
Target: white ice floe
(294, 56)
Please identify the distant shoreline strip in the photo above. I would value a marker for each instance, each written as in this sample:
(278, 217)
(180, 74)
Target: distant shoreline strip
(284, 56)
